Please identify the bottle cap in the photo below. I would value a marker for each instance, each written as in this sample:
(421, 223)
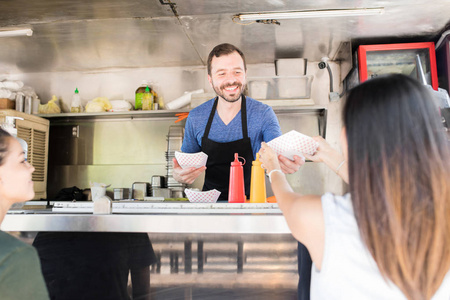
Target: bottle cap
(256, 162)
(76, 90)
(147, 89)
(236, 161)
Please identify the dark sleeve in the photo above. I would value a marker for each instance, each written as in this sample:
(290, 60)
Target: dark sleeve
(21, 277)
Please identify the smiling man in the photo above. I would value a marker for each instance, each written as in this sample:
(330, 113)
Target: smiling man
(227, 124)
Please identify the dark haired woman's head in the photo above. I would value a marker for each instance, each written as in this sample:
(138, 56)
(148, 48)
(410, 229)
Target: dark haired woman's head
(223, 49)
(399, 167)
(393, 119)
(4, 143)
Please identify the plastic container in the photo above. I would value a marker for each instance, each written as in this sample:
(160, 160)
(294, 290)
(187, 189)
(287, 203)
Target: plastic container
(147, 99)
(258, 182)
(75, 106)
(139, 95)
(236, 191)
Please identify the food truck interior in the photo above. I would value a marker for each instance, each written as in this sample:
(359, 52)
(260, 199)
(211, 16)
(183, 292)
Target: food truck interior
(301, 59)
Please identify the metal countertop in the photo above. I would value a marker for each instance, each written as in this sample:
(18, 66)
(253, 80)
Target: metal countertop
(234, 223)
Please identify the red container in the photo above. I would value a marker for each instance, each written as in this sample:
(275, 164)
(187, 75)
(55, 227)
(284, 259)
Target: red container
(236, 191)
(374, 60)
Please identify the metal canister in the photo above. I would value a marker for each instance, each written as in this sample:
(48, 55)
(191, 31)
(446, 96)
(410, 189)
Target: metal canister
(158, 181)
(118, 194)
(141, 190)
(20, 99)
(28, 105)
(36, 103)
(122, 193)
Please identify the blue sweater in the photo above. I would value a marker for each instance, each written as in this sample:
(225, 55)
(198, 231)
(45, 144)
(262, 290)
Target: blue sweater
(262, 125)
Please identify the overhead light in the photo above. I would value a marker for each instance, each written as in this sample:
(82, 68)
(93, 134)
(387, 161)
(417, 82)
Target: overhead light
(16, 32)
(311, 14)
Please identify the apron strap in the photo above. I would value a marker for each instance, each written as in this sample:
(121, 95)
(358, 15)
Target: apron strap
(244, 117)
(211, 117)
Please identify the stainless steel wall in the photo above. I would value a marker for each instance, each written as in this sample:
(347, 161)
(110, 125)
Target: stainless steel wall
(120, 152)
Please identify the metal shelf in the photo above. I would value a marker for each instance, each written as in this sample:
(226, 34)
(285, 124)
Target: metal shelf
(318, 111)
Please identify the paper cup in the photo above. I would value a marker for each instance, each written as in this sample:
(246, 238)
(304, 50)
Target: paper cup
(97, 192)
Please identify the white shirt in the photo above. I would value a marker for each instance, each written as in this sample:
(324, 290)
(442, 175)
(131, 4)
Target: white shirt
(348, 269)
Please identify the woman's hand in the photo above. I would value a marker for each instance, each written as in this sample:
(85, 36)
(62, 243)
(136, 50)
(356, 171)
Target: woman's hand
(290, 166)
(324, 152)
(331, 157)
(268, 158)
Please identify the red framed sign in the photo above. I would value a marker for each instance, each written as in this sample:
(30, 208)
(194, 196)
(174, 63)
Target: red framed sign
(375, 60)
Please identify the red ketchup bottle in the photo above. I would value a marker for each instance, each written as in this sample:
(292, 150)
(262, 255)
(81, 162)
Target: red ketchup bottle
(236, 191)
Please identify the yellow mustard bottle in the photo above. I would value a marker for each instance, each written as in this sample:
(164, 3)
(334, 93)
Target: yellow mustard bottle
(257, 183)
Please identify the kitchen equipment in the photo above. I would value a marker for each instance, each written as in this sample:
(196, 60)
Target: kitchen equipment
(140, 207)
(177, 192)
(28, 105)
(174, 142)
(161, 192)
(158, 181)
(36, 103)
(236, 191)
(122, 193)
(20, 101)
(141, 190)
(258, 182)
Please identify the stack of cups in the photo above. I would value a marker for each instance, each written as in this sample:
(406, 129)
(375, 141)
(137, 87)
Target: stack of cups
(174, 141)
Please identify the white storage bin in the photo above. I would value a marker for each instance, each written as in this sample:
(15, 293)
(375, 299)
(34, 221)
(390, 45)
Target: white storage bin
(290, 67)
(280, 87)
(294, 87)
(258, 89)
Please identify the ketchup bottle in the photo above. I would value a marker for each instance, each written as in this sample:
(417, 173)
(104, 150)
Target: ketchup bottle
(236, 191)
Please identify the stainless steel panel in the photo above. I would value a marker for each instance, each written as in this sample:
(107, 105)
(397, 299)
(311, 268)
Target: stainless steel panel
(97, 35)
(225, 266)
(179, 223)
(124, 150)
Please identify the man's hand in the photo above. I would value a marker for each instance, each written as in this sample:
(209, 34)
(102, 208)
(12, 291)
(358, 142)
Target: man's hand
(186, 175)
(290, 166)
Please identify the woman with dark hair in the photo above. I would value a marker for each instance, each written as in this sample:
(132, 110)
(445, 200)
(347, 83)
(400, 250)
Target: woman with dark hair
(389, 238)
(20, 271)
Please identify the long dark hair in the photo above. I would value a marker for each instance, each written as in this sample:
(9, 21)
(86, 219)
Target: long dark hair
(4, 136)
(399, 170)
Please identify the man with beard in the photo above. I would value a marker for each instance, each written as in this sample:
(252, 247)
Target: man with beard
(232, 123)
(227, 124)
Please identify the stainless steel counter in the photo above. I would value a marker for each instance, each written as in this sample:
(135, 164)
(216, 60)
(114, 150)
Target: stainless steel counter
(151, 223)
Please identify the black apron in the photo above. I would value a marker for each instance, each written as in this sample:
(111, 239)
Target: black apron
(220, 156)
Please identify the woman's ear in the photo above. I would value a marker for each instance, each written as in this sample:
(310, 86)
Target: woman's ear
(344, 144)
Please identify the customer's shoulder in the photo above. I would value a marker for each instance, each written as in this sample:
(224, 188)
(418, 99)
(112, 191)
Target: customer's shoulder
(10, 245)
